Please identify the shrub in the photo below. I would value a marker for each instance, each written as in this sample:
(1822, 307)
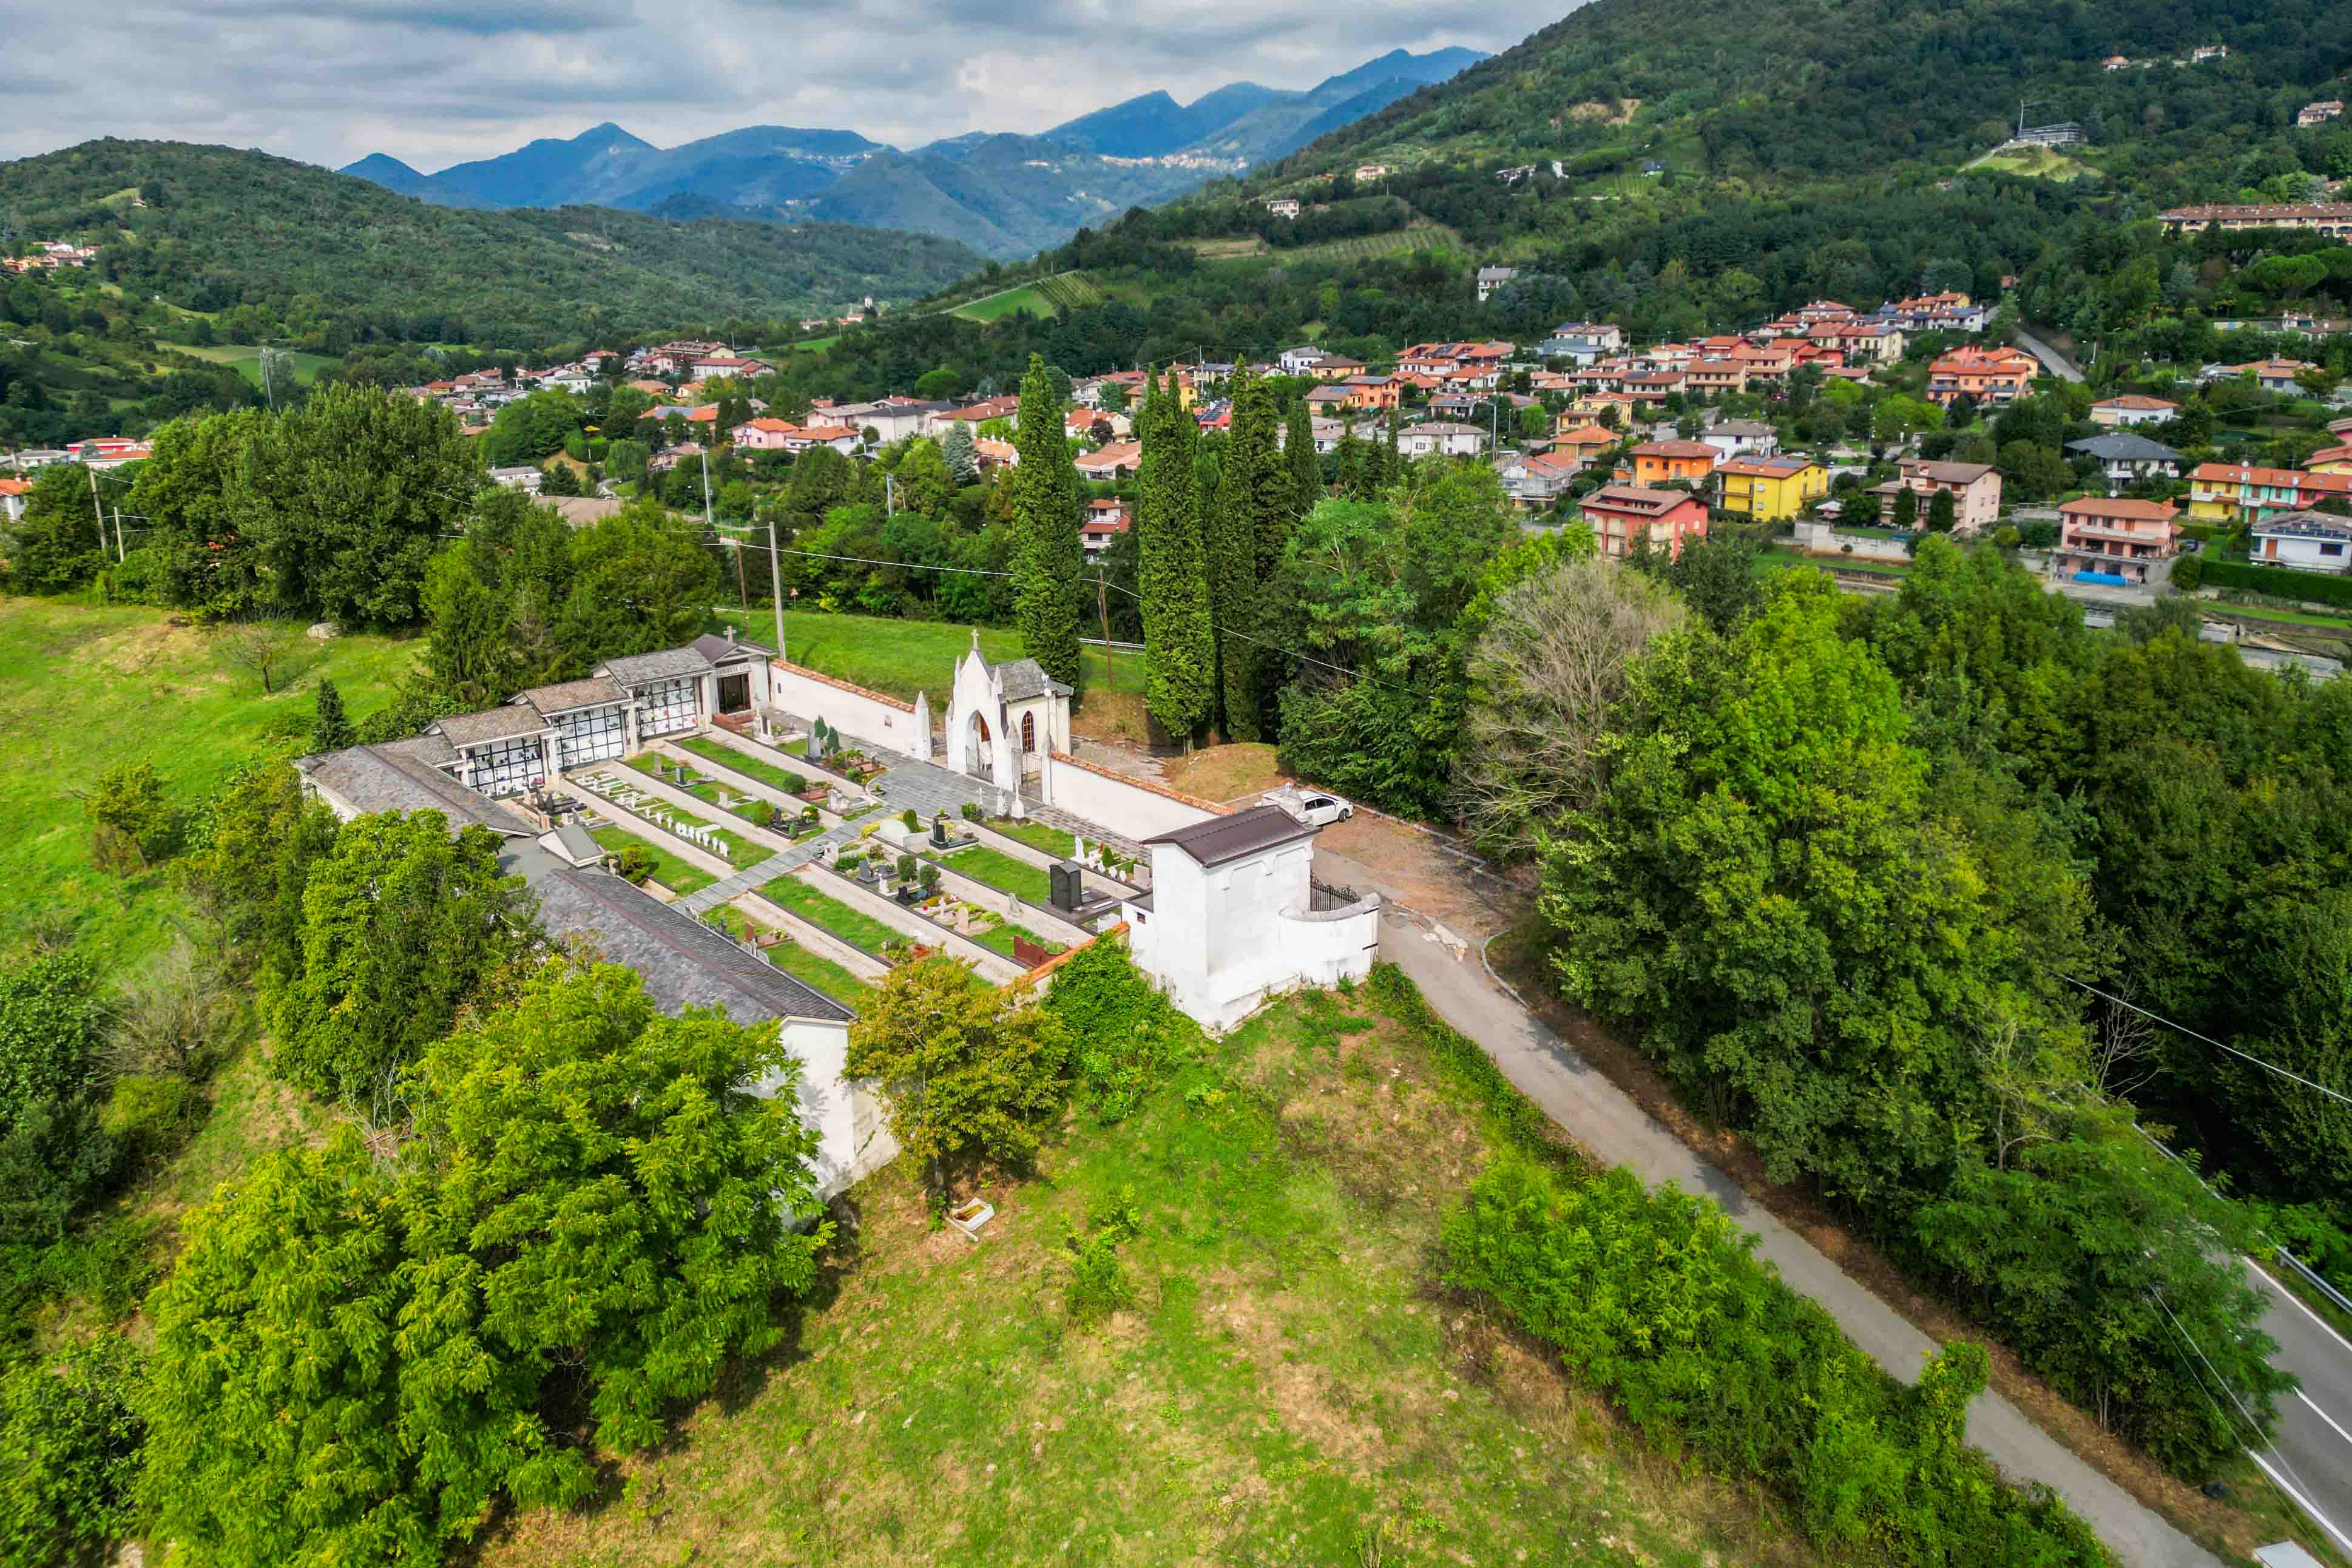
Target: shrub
(2006, 537)
(1128, 1036)
(1098, 1285)
(151, 1115)
(2278, 582)
(795, 784)
(906, 868)
(69, 1437)
(1656, 1298)
(634, 862)
(2039, 534)
(971, 812)
(2188, 573)
(911, 820)
(931, 879)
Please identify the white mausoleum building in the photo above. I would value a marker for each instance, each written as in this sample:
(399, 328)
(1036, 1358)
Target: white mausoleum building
(1231, 920)
(1003, 719)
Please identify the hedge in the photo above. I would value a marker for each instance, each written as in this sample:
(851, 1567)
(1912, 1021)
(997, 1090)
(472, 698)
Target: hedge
(1655, 1300)
(2277, 581)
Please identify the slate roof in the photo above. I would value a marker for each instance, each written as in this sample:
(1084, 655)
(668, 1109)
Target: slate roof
(1240, 832)
(720, 650)
(2125, 448)
(685, 963)
(387, 778)
(502, 723)
(640, 669)
(594, 692)
(1027, 678)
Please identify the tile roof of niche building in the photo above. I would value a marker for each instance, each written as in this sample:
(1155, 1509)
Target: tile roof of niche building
(1243, 833)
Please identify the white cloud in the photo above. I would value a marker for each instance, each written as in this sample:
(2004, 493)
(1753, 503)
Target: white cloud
(435, 82)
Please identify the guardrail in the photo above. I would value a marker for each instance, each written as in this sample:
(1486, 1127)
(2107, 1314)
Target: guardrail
(2311, 1277)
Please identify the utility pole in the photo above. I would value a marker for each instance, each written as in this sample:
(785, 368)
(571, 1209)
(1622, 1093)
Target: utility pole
(776, 587)
(1102, 608)
(96, 508)
(117, 537)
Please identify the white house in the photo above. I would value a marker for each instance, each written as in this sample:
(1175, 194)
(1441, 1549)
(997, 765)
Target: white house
(1493, 277)
(12, 498)
(1441, 440)
(525, 476)
(1742, 438)
(1301, 361)
(2305, 541)
(1233, 917)
(1003, 718)
(2127, 459)
(2132, 408)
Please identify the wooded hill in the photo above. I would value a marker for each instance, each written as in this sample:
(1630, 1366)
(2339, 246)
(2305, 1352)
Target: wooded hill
(221, 227)
(1788, 94)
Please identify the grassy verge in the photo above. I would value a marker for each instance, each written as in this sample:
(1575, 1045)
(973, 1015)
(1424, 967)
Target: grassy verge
(1039, 835)
(899, 658)
(742, 851)
(810, 968)
(822, 910)
(668, 870)
(1028, 883)
(85, 686)
(754, 812)
(1292, 1382)
(750, 767)
(999, 939)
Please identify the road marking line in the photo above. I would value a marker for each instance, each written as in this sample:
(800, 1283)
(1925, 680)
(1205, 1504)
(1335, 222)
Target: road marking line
(2323, 1414)
(2306, 1311)
(2301, 1501)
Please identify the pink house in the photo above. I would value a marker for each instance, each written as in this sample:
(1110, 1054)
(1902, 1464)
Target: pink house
(763, 435)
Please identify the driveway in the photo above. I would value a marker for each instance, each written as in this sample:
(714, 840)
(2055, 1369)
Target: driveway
(1608, 1124)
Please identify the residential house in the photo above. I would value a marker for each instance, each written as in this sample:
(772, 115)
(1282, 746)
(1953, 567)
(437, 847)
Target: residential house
(1493, 277)
(1975, 490)
(1742, 438)
(1622, 515)
(1440, 438)
(1106, 521)
(762, 435)
(1764, 363)
(2114, 537)
(12, 498)
(1300, 361)
(1715, 377)
(993, 453)
(2114, 63)
(2330, 460)
(2132, 408)
(1114, 461)
(1582, 441)
(524, 477)
(2316, 217)
(1373, 392)
(975, 414)
(2127, 459)
(2243, 493)
(2204, 52)
(1656, 463)
(1769, 489)
(1338, 367)
(842, 438)
(2320, 113)
(704, 366)
(1283, 206)
(890, 418)
(1996, 376)
(1328, 400)
(2304, 540)
(1537, 480)
(1078, 424)
(1655, 387)
(1949, 311)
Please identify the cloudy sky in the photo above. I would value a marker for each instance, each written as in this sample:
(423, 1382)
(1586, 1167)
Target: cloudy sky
(438, 81)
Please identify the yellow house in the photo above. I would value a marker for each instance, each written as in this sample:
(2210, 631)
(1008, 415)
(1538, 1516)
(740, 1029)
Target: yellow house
(1767, 490)
(2331, 461)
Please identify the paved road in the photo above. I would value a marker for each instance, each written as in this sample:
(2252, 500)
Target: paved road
(2312, 1453)
(2054, 362)
(1600, 1117)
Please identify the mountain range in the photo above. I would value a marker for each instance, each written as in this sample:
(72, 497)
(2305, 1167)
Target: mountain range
(1003, 194)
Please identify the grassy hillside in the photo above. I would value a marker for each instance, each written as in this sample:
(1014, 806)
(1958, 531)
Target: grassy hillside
(1292, 1383)
(223, 228)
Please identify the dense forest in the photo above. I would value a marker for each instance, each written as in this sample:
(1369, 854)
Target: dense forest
(217, 230)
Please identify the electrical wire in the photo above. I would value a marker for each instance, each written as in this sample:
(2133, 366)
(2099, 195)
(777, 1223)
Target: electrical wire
(2180, 1028)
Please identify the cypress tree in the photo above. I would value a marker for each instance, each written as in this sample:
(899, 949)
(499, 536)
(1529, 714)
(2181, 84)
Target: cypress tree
(1047, 555)
(1172, 575)
(331, 731)
(1306, 467)
(1394, 468)
(1239, 540)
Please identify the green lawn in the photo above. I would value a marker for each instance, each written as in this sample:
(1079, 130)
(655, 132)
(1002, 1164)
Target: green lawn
(898, 657)
(812, 968)
(1026, 299)
(1039, 835)
(668, 870)
(1029, 883)
(750, 767)
(2295, 617)
(1292, 1384)
(853, 926)
(83, 687)
(744, 852)
(999, 939)
(246, 360)
(754, 813)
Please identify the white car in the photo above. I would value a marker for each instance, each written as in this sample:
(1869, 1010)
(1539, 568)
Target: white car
(1316, 808)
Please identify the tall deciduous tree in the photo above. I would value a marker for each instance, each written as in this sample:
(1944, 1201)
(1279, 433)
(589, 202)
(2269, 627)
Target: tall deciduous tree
(1172, 579)
(400, 922)
(1047, 552)
(969, 1068)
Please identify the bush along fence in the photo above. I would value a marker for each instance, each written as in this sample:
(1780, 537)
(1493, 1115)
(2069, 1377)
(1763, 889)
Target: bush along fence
(1654, 1298)
(2278, 582)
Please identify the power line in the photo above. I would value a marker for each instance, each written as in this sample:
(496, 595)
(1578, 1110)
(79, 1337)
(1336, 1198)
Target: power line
(2181, 1028)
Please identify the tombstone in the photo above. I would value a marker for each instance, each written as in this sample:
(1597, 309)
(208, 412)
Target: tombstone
(1066, 889)
(940, 831)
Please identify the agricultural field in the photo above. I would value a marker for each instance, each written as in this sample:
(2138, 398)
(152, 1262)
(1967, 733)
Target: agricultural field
(1274, 1373)
(85, 686)
(246, 360)
(1362, 247)
(2036, 163)
(1066, 290)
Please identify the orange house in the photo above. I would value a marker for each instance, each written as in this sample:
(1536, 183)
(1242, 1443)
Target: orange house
(1659, 462)
(1621, 514)
(1582, 442)
(1986, 376)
